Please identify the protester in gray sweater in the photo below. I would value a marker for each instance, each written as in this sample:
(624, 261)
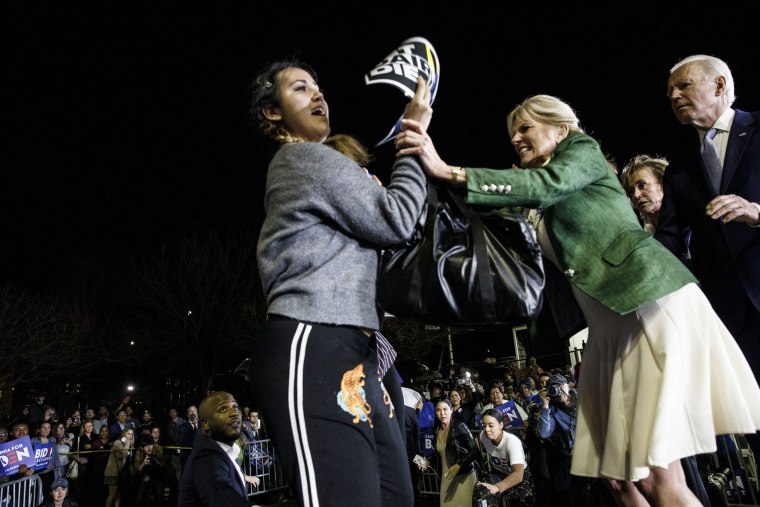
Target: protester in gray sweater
(315, 368)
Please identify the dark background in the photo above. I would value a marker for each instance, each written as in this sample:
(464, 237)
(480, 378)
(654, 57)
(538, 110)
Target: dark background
(126, 123)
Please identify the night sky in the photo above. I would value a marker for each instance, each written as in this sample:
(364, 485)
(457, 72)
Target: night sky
(127, 123)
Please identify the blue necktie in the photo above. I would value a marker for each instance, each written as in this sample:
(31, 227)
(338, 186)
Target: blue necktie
(710, 157)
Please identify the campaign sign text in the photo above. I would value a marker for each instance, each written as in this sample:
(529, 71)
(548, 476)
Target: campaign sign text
(14, 453)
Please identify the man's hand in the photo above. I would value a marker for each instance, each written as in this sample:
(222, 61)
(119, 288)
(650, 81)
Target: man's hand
(729, 208)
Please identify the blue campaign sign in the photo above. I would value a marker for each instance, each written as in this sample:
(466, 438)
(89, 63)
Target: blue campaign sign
(43, 453)
(427, 441)
(512, 417)
(14, 453)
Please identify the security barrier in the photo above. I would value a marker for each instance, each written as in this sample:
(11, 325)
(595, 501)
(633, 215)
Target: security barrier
(429, 483)
(26, 492)
(732, 477)
(259, 459)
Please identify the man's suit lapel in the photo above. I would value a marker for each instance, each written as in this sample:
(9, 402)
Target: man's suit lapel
(242, 485)
(741, 132)
(212, 444)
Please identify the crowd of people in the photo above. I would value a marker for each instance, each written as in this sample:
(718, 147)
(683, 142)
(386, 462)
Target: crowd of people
(113, 458)
(671, 297)
(662, 334)
(490, 443)
(653, 334)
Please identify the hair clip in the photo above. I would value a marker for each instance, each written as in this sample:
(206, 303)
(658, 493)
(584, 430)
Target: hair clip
(265, 84)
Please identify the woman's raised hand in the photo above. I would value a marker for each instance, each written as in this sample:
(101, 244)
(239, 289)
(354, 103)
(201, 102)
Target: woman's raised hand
(413, 140)
(419, 108)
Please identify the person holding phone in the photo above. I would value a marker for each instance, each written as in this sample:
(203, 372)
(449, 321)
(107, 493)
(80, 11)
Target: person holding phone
(117, 474)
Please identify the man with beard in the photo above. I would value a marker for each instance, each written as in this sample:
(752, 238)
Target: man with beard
(212, 475)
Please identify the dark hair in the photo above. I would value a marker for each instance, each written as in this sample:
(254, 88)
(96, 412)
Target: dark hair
(496, 385)
(442, 400)
(265, 92)
(146, 440)
(495, 413)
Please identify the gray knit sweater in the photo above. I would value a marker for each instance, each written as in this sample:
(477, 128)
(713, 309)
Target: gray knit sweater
(326, 222)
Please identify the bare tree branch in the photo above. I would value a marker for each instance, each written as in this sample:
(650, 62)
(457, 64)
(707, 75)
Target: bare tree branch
(197, 301)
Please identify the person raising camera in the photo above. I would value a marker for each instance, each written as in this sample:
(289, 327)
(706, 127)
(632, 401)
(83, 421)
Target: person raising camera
(148, 468)
(556, 425)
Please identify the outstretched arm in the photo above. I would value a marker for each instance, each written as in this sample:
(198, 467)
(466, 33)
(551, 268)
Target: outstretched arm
(510, 481)
(414, 140)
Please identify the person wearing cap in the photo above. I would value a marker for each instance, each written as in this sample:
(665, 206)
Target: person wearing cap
(528, 395)
(59, 490)
(556, 424)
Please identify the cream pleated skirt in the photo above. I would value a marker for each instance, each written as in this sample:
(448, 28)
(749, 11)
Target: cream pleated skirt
(657, 385)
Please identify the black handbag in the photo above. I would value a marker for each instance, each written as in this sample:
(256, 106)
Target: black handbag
(464, 266)
(522, 495)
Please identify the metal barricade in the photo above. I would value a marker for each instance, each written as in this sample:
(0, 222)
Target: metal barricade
(26, 492)
(429, 483)
(732, 473)
(260, 459)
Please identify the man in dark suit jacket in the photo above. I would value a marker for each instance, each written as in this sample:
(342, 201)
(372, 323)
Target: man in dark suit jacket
(188, 432)
(725, 237)
(211, 475)
(724, 221)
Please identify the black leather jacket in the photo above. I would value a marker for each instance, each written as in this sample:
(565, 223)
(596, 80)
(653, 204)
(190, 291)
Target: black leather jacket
(461, 447)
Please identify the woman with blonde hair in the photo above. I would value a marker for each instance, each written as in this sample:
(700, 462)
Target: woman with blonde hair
(642, 180)
(655, 348)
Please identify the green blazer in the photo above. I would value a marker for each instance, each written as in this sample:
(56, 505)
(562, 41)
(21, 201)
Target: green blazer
(600, 246)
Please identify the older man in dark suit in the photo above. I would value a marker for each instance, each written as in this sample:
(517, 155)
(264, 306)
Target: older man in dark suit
(212, 475)
(723, 219)
(717, 200)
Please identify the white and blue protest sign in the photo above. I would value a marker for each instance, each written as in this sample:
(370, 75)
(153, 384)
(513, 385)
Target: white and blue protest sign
(43, 454)
(413, 57)
(14, 453)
